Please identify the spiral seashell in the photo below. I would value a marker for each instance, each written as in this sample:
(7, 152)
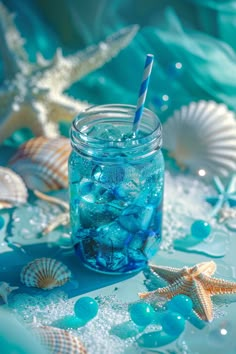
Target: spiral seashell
(12, 189)
(202, 136)
(45, 273)
(42, 163)
(59, 341)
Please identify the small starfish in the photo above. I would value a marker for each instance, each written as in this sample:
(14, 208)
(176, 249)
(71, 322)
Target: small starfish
(33, 94)
(5, 290)
(195, 282)
(227, 213)
(226, 195)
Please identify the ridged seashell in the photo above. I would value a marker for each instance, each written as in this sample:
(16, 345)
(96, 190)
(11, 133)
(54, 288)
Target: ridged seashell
(12, 189)
(42, 163)
(202, 136)
(45, 273)
(59, 341)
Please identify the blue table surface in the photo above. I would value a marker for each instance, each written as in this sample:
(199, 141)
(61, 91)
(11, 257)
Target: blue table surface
(85, 281)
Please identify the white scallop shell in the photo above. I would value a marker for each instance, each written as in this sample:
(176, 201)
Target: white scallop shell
(45, 273)
(43, 163)
(57, 341)
(12, 189)
(202, 136)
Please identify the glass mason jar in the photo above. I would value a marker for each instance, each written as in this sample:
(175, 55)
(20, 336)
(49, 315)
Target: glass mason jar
(116, 188)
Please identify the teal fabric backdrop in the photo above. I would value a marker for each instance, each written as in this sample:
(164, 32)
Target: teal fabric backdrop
(197, 34)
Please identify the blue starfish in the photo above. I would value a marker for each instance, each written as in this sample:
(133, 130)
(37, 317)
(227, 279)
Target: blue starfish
(226, 195)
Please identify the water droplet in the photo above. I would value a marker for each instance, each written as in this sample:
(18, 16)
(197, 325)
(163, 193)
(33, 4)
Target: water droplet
(201, 172)
(15, 107)
(103, 46)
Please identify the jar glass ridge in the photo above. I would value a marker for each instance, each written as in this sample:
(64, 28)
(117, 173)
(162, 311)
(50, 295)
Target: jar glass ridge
(116, 188)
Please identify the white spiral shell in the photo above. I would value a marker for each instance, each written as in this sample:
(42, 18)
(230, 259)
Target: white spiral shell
(12, 189)
(43, 163)
(59, 341)
(202, 136)
(45, 273)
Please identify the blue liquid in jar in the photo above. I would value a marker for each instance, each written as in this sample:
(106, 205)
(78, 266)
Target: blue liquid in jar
(116, 202)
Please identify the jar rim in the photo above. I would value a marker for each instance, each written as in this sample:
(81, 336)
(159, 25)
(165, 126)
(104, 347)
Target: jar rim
(119, 110)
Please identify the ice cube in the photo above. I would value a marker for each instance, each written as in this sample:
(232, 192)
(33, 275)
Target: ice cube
(135, 218)
(112, 235)
(96, 214)
(95, 205)
(144, 242)
(157, 222)
(91, 191)
(82, 234)
(130, 186)
(108, 175)
(137, 240)
(137, 257)
(108, 132)
(115, 261)
(151, 245)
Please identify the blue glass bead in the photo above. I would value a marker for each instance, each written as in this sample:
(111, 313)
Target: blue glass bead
(155, 339)
(2, 222)
(181, 304)
(173, 323)
(141, 313)
(69, 322)
(200, 229)
(86, 308)
(196, 321)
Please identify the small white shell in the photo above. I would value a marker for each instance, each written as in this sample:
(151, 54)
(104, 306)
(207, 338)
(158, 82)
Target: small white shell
(43, 163)
(202, 136)
(12, 189)
(45, 273)
(57, 341)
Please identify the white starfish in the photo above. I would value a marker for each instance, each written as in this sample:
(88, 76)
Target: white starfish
(32, 94)
(5, 290)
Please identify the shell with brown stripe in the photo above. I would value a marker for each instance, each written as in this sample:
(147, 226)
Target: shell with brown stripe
(59, 341)
(42, 162)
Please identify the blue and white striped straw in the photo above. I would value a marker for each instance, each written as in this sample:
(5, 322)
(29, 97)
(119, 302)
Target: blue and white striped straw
(143, 91)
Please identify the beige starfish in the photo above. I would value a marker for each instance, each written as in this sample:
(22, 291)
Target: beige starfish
(32, 95)
(195, 282)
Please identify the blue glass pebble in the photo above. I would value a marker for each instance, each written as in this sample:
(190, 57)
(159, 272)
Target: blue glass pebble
(196, 321)
(141, 313)
(2, 222)
(181, 304)
(68, 322)
(173, 323)
(86, 308)
(155, 339)
(200, 229)
(126, 330)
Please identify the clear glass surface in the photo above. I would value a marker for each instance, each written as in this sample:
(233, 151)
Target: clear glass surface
(116, 188)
